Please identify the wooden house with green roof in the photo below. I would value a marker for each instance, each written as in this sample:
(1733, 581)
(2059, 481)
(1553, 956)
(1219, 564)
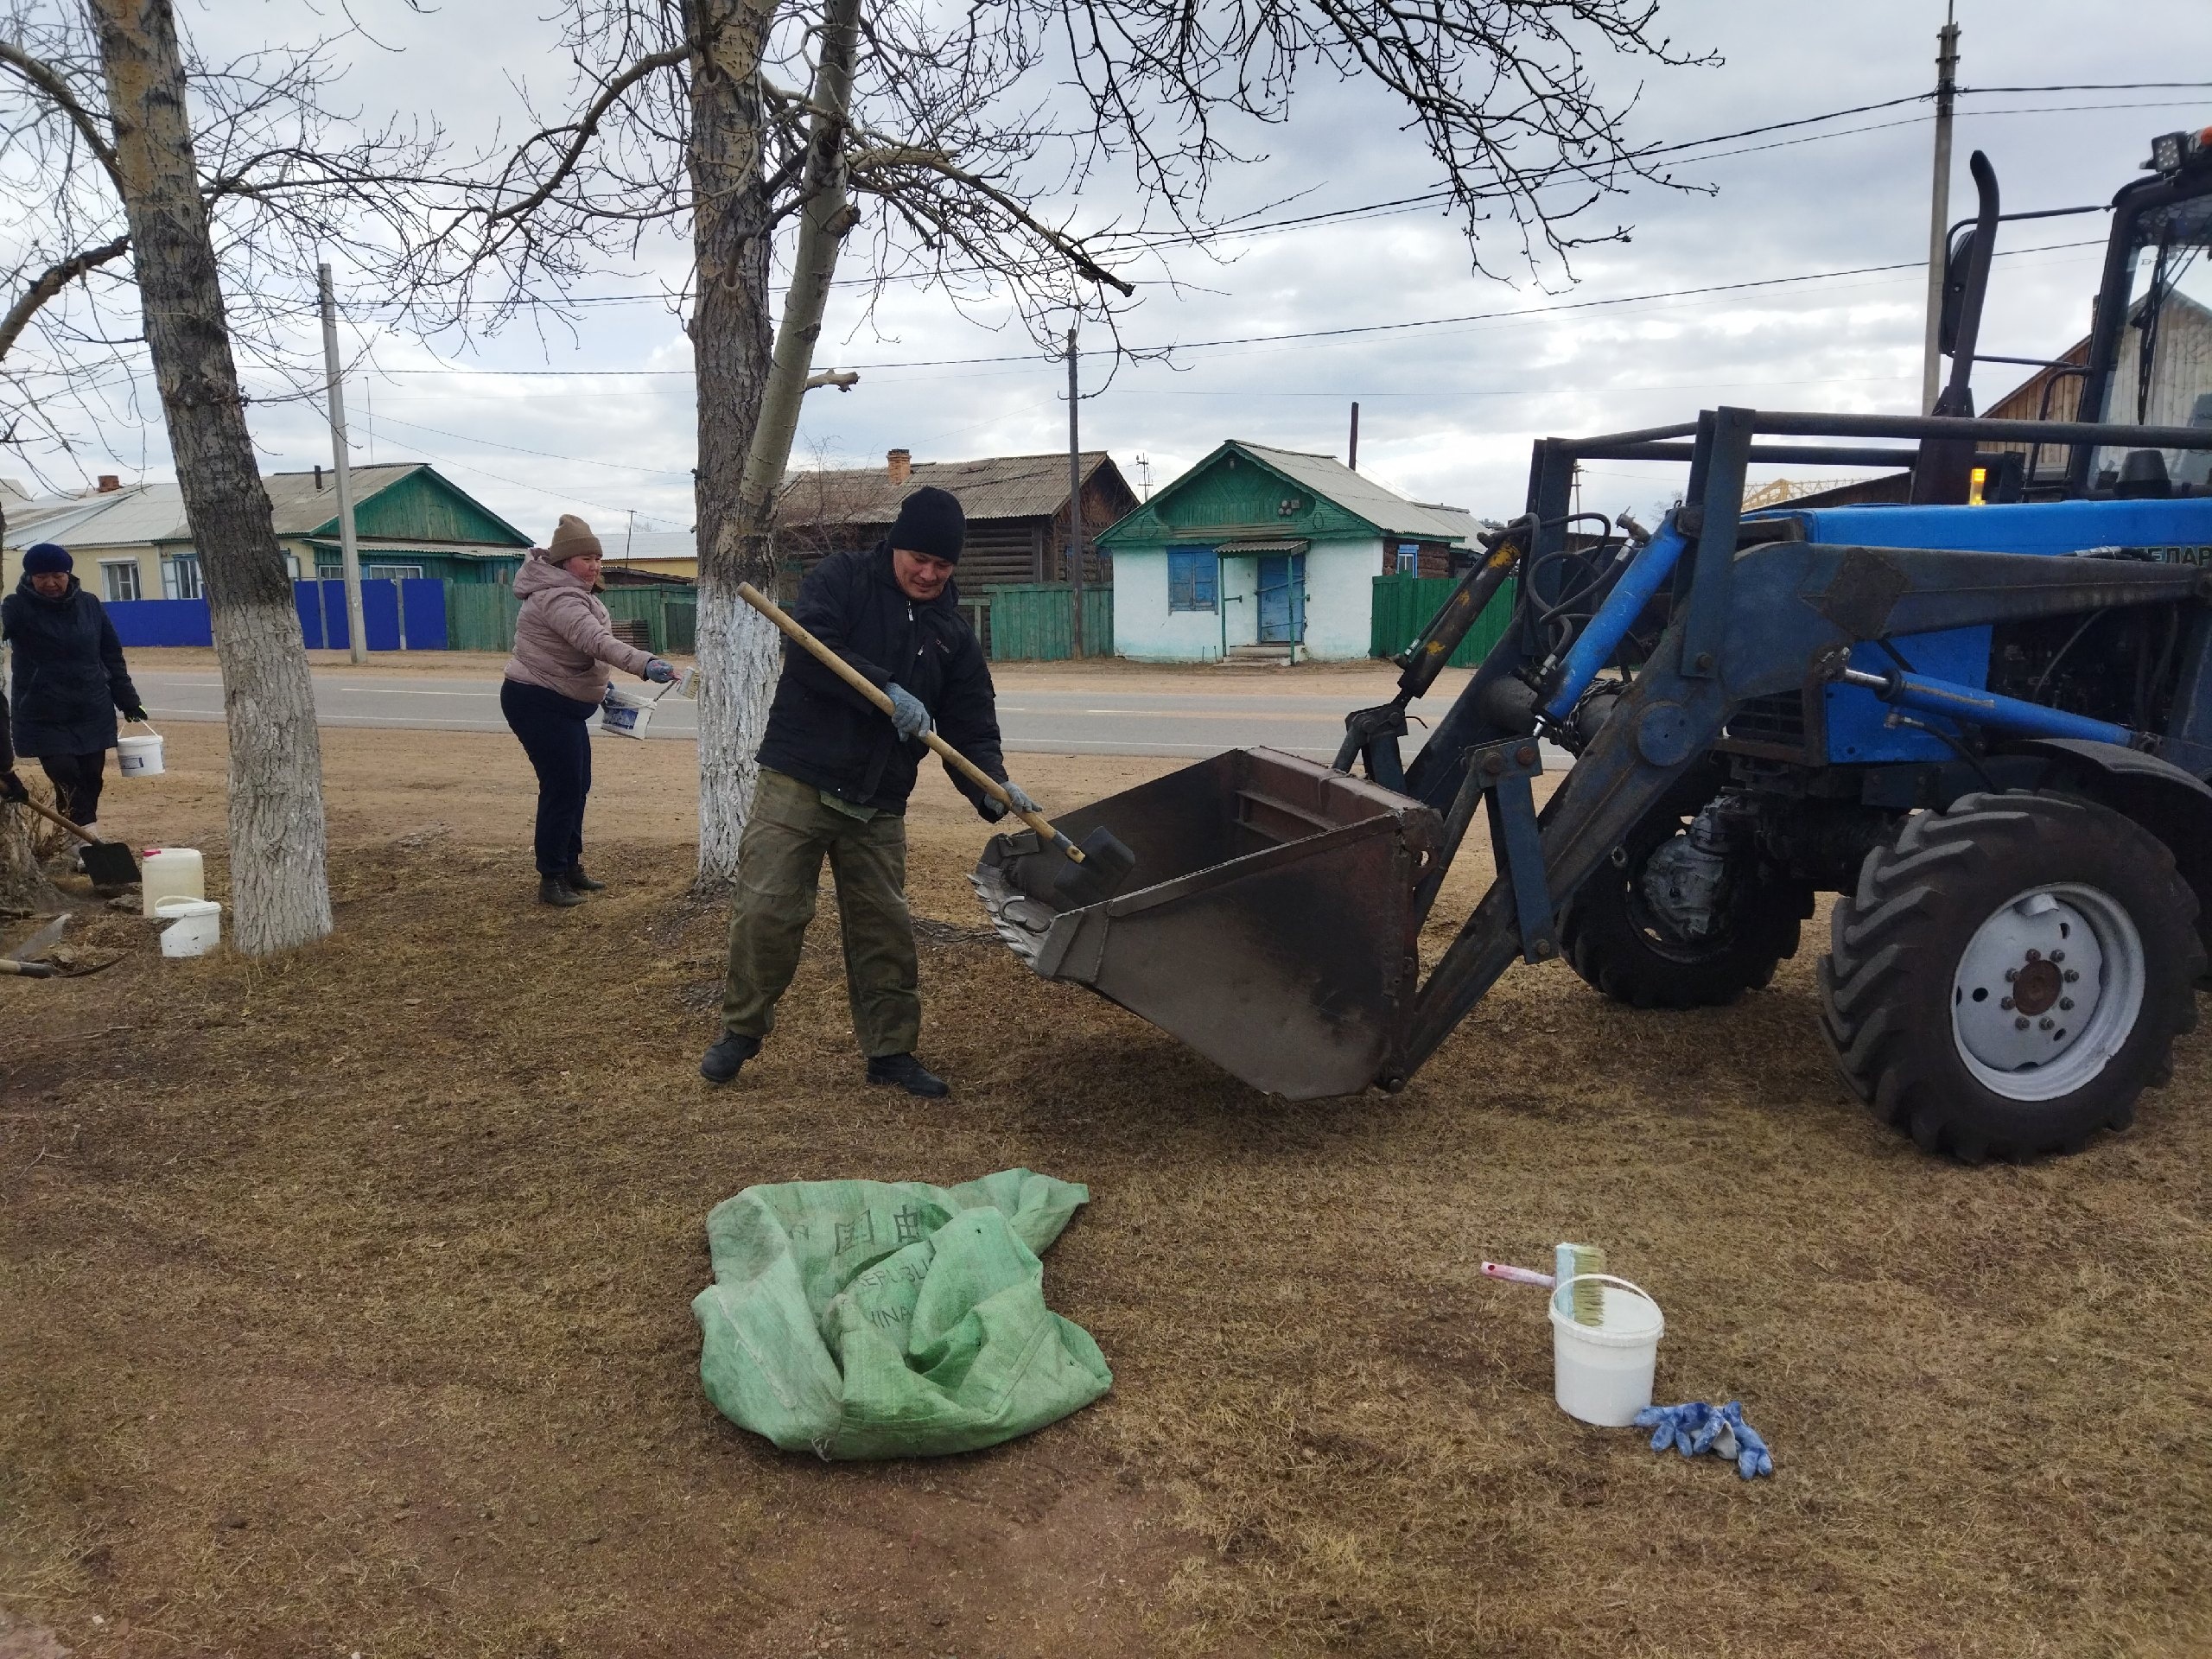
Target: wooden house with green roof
(1268, 554)
(131, 541)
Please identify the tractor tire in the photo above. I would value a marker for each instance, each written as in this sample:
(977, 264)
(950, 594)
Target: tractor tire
(1610, 936)
(1949, 994)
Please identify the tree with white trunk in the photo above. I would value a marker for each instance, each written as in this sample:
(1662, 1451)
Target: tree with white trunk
(773, 130)
(199, 195)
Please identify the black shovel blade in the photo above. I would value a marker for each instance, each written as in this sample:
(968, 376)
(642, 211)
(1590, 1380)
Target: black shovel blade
(1106, 867)
(110, 864)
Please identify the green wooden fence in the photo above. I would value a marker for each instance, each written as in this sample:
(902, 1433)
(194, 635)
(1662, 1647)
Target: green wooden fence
(1034, 621)
(482, 618)
(1403, 605)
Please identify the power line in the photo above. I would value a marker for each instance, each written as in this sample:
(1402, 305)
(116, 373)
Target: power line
(1311, 334)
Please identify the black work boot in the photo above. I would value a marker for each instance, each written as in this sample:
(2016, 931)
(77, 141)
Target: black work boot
(579, 882)
(724, 1059)
(552, 890)
(909, 1074)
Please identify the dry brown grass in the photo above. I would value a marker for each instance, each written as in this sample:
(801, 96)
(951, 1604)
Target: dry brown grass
(345, 1303)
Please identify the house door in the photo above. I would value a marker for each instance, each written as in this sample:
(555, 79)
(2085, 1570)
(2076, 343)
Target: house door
(1282, 599)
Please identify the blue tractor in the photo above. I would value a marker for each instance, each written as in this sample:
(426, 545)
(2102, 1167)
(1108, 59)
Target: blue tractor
(1986, 727)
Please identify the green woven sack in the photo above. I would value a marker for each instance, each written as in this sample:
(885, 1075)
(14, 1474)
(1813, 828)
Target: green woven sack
(885, 1319)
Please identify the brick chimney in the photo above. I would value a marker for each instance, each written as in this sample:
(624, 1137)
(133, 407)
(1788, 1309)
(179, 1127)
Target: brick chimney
(902, 465)
(109, 484)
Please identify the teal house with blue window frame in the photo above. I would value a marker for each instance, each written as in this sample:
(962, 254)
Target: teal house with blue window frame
(1270, 554)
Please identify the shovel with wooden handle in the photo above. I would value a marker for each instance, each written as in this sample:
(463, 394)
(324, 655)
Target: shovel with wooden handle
(110, 864)
(1097, 869)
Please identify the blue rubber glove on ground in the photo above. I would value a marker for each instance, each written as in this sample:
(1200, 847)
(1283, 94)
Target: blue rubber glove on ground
(906, 712)
(1695, 1428)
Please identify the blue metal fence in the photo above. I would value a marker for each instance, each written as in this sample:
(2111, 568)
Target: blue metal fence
(420, 602)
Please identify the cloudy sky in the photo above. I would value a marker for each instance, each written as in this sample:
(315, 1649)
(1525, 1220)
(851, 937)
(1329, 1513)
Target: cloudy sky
(1448, 409)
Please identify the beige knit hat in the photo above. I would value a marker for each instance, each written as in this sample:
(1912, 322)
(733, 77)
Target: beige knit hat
(572, 539)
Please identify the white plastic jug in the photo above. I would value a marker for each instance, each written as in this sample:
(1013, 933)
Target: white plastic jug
(170, 872)
(139, 757)
(195, 926)
(1602, 1373)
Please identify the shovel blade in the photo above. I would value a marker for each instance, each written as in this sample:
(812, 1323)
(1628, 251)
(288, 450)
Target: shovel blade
(110, 864)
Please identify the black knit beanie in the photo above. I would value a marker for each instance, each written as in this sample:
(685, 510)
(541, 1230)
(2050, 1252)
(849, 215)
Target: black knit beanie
(931, 522)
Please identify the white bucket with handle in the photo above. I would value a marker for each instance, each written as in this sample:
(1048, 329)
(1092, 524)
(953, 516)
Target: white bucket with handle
(1602, 1373)
(195, 926)
(627, 713)
(139, 757)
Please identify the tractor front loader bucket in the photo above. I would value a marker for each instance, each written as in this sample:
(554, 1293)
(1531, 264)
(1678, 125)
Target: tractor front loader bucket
(1274, 927)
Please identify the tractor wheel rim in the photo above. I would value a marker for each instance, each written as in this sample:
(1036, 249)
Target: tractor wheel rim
(2047, 991)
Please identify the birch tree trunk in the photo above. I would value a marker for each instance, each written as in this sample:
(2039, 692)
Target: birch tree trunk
(279, 891)
(731, 226)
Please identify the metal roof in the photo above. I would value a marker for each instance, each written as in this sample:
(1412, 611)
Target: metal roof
(997, 486)
(651, 544)
(1385, 509)
(140, 513)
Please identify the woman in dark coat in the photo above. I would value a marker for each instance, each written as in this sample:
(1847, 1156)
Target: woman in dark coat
(69, 680)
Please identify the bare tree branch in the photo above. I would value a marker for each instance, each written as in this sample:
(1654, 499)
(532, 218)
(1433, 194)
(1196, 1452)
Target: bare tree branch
(50, 282)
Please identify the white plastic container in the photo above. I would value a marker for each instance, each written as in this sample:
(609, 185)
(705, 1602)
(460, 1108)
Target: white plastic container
(625, 713)
(195, 926)
(170, 872)
(139, 757)
(1602, 1373)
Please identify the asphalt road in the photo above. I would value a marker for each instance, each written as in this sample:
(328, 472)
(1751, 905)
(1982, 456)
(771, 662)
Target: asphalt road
(1188, 720)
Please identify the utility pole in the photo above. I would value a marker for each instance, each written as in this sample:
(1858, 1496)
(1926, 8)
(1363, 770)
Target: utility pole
(1075, 506)
(349, 553)
(1352, 462)
(1939, 217)
(629, 535)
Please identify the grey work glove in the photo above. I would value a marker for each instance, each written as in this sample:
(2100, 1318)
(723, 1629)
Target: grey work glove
(907, 713)
(659, 672)
(995, 809)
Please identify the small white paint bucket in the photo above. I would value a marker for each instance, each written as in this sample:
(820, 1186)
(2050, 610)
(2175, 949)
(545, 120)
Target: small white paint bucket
(1602, 1373)
(195, 926)
(139, 757)
(625, 714)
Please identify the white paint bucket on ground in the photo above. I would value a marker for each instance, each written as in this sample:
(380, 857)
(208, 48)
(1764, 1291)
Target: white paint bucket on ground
(195, 926)
(1602, 1373)
(139, 757)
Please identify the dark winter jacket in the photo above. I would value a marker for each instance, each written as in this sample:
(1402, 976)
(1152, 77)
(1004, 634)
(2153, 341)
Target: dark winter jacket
(823, 732)
(69, 676)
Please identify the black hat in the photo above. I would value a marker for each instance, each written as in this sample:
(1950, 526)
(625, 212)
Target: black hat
(931, 522)
(43, 558)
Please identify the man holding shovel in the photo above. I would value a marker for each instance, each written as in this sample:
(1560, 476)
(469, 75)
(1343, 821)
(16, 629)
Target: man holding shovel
(835, 775)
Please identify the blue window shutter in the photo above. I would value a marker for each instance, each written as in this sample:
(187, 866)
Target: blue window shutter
(1193, 579)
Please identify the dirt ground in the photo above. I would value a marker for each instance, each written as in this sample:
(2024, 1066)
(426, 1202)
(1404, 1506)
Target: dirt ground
(344, 1301)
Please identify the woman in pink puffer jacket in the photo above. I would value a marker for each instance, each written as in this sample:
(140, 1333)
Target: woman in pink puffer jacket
(555, 680)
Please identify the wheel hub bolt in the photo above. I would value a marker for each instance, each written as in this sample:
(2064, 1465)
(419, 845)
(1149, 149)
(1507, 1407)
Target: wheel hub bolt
(2011, 974)
(2006, 1003)
(2020, 1024)
(2044, 1024)
(2058, 955)
(2065, 1005)
(2035, 956)
(2072, 974)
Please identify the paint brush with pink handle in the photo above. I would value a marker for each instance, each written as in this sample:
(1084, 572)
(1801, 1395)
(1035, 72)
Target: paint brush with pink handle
(1512, 1274)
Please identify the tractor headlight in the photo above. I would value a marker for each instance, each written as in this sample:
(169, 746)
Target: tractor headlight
(2168, 151)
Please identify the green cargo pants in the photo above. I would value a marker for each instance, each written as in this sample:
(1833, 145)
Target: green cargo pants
(778, 871)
